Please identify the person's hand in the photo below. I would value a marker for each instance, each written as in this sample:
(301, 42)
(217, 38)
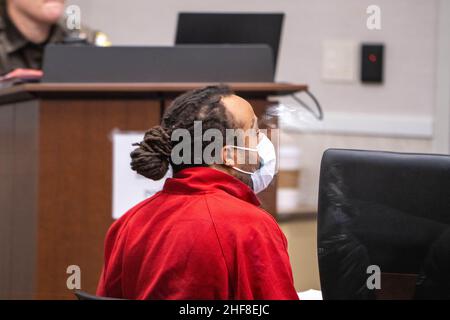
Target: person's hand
(30, 74)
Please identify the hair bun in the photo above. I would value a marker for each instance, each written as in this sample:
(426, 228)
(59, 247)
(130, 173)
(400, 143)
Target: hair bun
(151, 158)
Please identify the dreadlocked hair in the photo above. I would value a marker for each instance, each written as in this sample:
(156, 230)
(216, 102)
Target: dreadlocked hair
(153, 155)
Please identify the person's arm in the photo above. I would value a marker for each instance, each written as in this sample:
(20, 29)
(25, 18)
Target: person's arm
(110, 284)
(263, 267)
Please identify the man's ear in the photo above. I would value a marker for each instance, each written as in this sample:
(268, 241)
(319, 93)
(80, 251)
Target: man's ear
(228, 156)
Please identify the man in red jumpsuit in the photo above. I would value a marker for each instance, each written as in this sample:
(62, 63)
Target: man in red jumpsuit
(204, 235)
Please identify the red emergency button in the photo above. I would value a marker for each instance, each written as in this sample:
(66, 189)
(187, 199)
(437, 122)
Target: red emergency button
(372, 58)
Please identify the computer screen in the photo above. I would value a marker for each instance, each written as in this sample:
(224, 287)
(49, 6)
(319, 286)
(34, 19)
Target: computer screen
(231, 28)
(185, 63)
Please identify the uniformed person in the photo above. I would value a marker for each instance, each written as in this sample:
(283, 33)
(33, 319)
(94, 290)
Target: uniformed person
(27, 26)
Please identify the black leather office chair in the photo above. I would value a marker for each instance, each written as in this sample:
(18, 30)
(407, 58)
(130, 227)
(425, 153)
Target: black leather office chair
(386, 209)
(81, 295)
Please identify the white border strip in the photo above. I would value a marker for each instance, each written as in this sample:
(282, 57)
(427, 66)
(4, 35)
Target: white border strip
(441, 143)
(363, 124)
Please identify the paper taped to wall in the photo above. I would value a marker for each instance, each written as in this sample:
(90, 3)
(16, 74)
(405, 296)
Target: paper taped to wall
(129, 188)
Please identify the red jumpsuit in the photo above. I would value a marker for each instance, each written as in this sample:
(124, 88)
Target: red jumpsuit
(202, 237)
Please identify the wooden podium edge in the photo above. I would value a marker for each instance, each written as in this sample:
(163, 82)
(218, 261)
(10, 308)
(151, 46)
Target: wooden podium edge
(30, 91)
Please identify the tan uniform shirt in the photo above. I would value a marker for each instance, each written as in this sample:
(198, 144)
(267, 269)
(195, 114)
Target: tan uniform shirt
(18, 52)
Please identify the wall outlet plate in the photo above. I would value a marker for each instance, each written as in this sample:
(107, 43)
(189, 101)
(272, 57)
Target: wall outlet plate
(339, 60)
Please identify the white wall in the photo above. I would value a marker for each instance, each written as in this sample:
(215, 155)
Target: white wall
(442, 113)
(408, 30)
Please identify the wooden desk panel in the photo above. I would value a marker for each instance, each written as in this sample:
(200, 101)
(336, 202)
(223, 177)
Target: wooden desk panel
(75, 193)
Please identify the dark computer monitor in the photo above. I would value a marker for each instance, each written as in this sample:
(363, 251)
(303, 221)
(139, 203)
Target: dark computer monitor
(387, 210)
(231, 28)
(184, 63)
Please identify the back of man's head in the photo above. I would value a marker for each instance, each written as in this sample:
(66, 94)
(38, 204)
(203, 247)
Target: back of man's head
(202, 106)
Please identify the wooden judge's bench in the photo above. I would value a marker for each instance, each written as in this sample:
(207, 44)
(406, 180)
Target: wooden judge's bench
(56, 174)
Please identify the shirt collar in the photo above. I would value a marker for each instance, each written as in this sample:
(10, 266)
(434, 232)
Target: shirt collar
(13, 40)
(206, 179)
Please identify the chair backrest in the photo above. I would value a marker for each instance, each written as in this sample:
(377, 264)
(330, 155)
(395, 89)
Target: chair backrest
(81, 295)
(389, 211)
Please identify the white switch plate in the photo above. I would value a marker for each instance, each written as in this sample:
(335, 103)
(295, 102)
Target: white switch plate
(339, 60)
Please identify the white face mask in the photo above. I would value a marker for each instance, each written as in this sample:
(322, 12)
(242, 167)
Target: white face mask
(264, 175)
